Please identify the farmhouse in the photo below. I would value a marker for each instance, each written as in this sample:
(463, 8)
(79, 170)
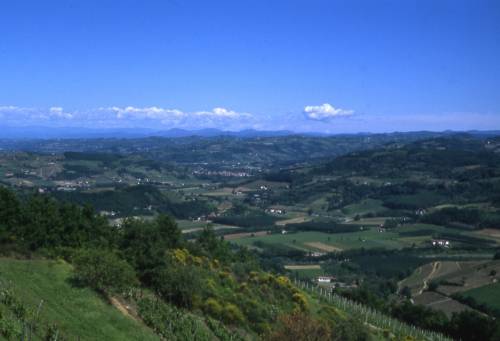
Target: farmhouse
(325, 279)
(440, 242)
(275, 211)
(316, 254)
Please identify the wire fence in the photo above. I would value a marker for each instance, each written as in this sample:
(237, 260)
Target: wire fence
(371, 316)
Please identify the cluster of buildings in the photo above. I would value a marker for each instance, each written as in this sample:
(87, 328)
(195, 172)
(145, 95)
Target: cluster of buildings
(224, 173)
(275, 211)
(441, 243)
(331, 282)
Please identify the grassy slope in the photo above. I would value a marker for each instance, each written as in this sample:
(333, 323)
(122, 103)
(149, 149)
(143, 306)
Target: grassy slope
(76, 311)
(488, 294)
(363, 207)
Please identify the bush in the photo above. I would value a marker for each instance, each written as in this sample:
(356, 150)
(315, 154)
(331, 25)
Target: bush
(232, 314)
(103, 271)
(301, 300)
(300, 327)
(182, 285)
(213, 307)
(433, 285)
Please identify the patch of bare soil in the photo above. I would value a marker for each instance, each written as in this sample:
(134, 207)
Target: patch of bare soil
(234, 236)
(323, 247)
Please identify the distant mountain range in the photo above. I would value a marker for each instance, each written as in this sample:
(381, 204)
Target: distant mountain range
(38, 132)
(34, 132)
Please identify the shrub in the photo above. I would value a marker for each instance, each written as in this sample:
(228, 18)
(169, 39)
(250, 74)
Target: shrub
(232, 314)
(213, 307)
(301, 300)
(103, 271)
(180, 284)
(299, 327)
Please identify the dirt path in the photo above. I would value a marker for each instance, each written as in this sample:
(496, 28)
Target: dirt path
(303, 267)
(447, 299)
(196, 229)
(435, 267)
(125, 310)
(296, 220)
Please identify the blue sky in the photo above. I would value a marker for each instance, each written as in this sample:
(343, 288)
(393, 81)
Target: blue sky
(330, 66)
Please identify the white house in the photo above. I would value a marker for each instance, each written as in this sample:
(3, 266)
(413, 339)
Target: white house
(325, 279)
(441, 242)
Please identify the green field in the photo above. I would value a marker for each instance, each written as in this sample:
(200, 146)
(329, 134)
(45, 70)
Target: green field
(407, 235)
(305, 274)
(363, 207)
(368, 238)
(488, 295)
(77, 312)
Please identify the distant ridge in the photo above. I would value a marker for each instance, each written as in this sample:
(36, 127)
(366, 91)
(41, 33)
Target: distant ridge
(49, 133)
(37, 132)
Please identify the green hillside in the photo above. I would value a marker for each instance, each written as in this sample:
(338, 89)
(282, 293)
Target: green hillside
(77, 312)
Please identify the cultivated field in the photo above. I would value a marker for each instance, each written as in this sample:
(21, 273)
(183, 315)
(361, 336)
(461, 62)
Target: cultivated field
(236, 236)
(296, 220)
(471, 278)
(307, 271)
(303, 267)
(323, 247)
(320, 241)
(488, 295)
(440, 302)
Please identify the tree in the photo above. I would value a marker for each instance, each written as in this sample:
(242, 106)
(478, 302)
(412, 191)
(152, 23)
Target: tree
(169, 231)
(390, 223)
(42, 225)
(420, 316)
(470, 325)
(103, 271)
(144, 243)
(179, 284)
(10, 213)
(214, 246)
(433, 285)
(406, 292)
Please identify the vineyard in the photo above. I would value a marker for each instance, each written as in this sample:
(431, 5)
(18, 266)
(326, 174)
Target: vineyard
(371, 317)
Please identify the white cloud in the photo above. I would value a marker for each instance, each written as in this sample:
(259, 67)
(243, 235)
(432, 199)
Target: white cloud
(222, 112)
(165, 114)
(143, 113)
(325, 112)
(23, 113)
(10, 108)
(14, 114)
(59, 112)
(126, 117)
